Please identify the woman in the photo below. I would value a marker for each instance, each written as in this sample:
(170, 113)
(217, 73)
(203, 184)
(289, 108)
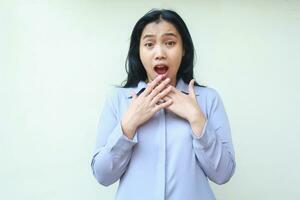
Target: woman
(162, 135)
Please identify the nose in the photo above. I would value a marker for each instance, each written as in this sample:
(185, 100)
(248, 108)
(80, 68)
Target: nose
(159, 53)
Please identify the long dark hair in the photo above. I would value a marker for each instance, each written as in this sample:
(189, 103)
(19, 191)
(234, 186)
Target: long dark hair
(134, 67)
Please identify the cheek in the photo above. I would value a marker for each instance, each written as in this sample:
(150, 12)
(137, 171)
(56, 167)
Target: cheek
(146, 63)
(177, 60)
(144, 56)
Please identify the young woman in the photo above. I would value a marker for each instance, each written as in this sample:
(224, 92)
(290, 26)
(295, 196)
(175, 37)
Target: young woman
(161, 134)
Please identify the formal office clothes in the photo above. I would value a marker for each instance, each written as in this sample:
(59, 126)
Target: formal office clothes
(165, 160)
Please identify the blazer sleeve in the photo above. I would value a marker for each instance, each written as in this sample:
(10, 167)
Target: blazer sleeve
(214, 148)
(113, 149)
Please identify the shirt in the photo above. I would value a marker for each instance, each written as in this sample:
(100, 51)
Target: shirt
(165, 160)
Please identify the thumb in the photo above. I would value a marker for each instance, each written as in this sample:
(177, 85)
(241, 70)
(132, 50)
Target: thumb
(191, 88)
(133, 94)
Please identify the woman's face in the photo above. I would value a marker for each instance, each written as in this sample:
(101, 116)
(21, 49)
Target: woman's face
(161, 50)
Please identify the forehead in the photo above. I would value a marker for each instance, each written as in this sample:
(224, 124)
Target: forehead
(159, 28)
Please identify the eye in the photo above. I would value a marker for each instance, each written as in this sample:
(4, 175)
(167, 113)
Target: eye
(148, 44)
(170, 43)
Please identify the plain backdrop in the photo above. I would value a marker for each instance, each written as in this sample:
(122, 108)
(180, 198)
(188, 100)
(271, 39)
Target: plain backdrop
(59, 59)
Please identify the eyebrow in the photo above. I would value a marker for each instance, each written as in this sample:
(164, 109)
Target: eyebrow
(165, 34)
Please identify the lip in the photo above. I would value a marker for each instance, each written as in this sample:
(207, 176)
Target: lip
(160, 65)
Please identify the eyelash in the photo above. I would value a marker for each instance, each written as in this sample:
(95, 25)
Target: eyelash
(173, 43)
(168, 43)
(147, 44)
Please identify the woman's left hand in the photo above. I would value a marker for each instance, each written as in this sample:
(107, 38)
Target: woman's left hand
(186, 107)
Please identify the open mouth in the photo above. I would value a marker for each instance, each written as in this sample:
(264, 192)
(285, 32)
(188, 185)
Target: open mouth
(161, 69)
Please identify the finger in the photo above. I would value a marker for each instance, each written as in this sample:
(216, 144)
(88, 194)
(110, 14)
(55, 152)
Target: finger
(191, 88)
(167, 97)
(174, 90)
(159, 88)
(163, 105)
(152, 85)
(160, 95)
(164, 76)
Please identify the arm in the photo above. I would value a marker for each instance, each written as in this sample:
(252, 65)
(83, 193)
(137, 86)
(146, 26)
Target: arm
(113, 149)
(214, 148)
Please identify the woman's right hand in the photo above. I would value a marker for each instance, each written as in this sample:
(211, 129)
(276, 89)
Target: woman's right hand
(144, 106)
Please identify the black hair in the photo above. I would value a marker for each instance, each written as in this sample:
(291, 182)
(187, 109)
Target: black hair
(134, 67)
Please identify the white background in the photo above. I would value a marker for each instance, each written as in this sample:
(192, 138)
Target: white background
(58, 59)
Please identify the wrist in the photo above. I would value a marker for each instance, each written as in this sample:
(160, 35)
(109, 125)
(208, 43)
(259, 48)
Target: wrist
(196, 118)
(197, 123)
(128, 128)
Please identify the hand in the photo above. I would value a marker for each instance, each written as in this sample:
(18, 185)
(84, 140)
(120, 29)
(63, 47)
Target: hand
(144, 106)
(186, 107)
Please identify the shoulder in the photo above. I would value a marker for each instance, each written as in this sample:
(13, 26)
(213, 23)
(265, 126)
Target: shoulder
(118, 98)
(115, 94)
(209, 93)
(209, 100)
